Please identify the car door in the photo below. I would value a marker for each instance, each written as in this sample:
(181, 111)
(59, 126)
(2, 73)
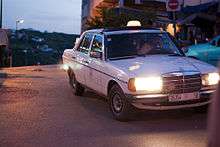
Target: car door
(81, 57)
(95, 73)
(214, 52)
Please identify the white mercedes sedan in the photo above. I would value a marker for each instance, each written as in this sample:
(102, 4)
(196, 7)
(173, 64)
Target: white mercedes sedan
(138, 68)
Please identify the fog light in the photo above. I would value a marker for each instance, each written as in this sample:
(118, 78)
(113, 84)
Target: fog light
(65, 67)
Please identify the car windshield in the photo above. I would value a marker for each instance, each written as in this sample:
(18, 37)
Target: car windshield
(139, 44)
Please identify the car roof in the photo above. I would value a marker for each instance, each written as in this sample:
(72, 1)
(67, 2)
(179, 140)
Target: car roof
(123, 30)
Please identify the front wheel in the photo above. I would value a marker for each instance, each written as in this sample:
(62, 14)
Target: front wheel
(78, 89)
(119, 106)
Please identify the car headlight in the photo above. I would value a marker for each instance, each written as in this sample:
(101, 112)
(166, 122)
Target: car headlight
(149, 84)
(210, 79)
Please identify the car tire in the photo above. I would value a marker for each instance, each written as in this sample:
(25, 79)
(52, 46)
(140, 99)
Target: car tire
(121, 109)
(78, 89)
(202, 109)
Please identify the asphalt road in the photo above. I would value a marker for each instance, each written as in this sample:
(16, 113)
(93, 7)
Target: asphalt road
(38, 108)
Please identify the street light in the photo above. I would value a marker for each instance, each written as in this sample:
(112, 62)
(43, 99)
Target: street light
(19, 21)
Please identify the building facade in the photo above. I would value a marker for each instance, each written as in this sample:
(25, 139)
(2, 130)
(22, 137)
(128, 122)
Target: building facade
(89, 9)
(156, 6)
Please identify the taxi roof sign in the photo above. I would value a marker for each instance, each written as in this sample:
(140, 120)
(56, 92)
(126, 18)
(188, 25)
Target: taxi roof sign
(134, 23)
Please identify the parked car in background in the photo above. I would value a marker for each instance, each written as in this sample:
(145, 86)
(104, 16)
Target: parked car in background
(207, 52)
(138, 68)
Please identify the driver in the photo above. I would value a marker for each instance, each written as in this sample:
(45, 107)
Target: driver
(145, 48)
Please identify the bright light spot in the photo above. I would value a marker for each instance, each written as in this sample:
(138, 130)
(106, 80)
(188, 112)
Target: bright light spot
(170, 29)
(65, 67)
(213, 79)
(134, 23)
(20, 21)
(151, 84)
(135, 67)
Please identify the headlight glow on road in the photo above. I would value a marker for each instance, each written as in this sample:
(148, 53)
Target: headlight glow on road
(210, 79)
(150, 84)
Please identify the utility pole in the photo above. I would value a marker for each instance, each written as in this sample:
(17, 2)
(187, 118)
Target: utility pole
(19, 21)
(1, 7)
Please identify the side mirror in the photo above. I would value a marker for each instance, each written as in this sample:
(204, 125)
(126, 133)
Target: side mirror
(76, 41)
(97, 55)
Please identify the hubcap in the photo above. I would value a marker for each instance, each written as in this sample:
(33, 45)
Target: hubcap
(117, 103)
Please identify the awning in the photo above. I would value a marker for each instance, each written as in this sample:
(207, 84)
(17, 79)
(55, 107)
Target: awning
(191, 18)
(163, 20)
(198, 8)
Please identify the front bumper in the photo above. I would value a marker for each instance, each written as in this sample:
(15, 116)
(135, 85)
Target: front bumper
(161, 101)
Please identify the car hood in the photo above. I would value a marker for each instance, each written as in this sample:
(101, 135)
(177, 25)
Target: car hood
(200, 46)
(157, 65)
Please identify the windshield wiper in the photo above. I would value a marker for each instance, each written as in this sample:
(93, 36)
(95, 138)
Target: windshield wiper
(120, 58)
(177, 55)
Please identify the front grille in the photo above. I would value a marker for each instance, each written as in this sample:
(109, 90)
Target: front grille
(182, 84)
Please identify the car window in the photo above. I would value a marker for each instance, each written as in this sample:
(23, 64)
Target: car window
(97, 44)
(85, 44)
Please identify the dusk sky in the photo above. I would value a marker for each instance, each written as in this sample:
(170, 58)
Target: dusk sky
(50, 15)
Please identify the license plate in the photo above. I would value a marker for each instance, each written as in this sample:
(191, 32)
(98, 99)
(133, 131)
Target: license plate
(183, 97)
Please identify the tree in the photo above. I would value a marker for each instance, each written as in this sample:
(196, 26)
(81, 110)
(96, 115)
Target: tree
(117, 17)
